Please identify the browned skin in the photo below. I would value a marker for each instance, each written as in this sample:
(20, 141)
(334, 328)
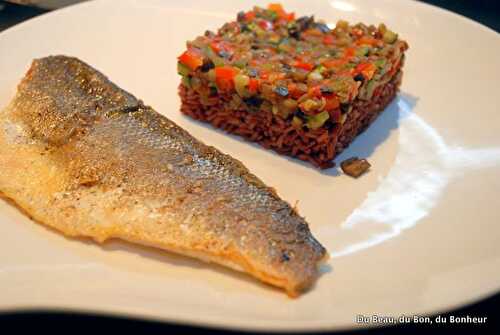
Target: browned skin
(87, 158)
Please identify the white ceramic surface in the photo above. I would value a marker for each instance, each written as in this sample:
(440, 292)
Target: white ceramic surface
(418, 234)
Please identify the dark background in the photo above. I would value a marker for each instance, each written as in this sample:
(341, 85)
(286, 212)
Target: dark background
(485, 11)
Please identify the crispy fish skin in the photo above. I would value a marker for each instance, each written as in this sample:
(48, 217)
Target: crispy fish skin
(83, 156)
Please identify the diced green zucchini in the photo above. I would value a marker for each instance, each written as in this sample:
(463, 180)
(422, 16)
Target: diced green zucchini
(316, 121)
(380, 63)
(240, 63)
(186, 81)
(211, 75)
(382, 28)
(319, 69)
(267, 66)
(390, 36)
(182, 69)
(252, 26)
(271, 14)
(218, 61)
(362, 51)
(256, 29)
(240, 84)
(372, 84)
(368, 90)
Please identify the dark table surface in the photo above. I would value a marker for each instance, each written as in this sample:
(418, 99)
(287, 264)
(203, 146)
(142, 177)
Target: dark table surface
(486, 12)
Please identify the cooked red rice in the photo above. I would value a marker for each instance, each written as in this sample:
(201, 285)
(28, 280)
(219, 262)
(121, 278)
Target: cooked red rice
(295, 85)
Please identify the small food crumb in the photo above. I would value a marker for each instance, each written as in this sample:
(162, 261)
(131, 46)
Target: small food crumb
(355, 166)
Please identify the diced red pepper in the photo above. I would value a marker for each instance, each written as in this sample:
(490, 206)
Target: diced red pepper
(220, 46)
(289, 16)
(264, 74)
(332, 102)
(349, 52)
(278, 9)
(328, 39)
(303, 65)
(367, 69)
(215, 47)
(249, 16)
(362, 66)
(266, 25)
(224, 77)
(367, 40)
(315, 91)
(253, 85)
(275, 7)
(292, 90)
(191, 59)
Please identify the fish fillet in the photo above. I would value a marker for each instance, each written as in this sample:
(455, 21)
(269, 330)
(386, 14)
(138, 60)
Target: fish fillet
(83, 156)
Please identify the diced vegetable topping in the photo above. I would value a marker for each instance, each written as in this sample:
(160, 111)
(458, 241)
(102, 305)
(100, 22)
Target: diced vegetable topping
(253, 85)
(240, 84)
(303, 65)
(367, 69)
(362, 51)
(304, 71)
(354, 166)
(316, 121)
(186, 81)
(332, 103)
(224, 77)
(390, 37)
(182, 69)
(191, 59)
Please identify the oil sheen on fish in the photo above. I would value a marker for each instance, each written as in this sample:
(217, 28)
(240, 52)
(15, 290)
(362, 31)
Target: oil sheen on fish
(83, 156)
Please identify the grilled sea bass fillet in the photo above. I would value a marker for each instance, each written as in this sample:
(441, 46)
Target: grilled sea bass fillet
(83, 156)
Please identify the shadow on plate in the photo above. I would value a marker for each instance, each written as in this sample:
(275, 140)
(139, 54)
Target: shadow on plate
(388, 121)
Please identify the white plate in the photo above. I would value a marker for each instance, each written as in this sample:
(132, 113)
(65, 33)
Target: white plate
(418, 234)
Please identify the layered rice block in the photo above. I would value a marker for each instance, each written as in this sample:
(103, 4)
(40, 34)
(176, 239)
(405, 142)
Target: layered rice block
(298, 86)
